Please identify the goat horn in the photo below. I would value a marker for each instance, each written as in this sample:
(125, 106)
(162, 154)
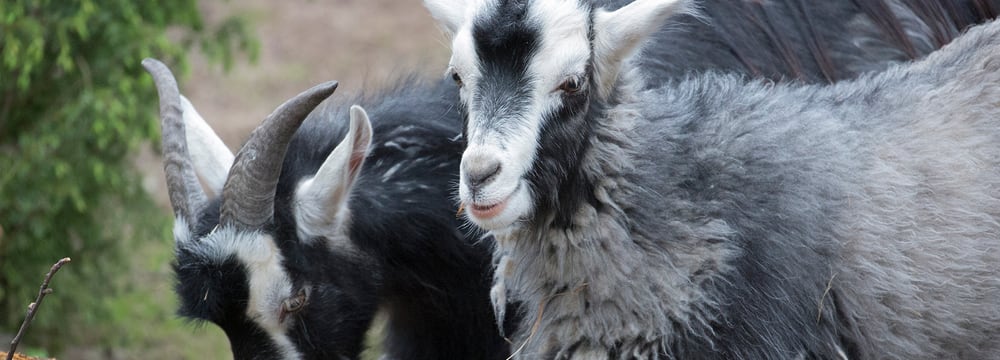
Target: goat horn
(248, 195)
(186, 195)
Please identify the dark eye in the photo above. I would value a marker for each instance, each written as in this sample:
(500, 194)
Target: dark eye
(571, 85)
(458, 79)
(293, 304)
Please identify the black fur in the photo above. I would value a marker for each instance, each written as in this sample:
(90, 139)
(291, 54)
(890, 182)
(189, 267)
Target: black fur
(802, 40)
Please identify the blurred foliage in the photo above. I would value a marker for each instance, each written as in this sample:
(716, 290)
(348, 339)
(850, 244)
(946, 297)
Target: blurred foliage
(75, 106)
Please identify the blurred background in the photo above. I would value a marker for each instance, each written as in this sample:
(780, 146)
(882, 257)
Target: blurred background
(80, 175)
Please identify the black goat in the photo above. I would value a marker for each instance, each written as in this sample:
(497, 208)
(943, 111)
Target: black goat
(294, 257)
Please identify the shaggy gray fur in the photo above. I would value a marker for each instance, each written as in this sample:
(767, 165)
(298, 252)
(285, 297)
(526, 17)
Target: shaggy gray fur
(742, 220)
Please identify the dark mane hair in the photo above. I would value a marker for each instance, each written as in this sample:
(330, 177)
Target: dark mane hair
(801, 40)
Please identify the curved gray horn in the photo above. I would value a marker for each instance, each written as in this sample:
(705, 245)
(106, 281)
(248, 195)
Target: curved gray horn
(248, 196)
(186, 195)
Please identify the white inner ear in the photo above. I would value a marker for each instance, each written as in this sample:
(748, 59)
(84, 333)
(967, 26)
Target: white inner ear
(449, 14)
(209, 154)
(618, 34)
(321, 201)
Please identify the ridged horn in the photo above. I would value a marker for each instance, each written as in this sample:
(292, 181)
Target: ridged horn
(186, 195)
(248, 196)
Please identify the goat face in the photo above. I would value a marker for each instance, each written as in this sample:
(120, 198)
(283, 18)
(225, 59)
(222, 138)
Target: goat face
(272, 302)
(530, 71)
(273, 271)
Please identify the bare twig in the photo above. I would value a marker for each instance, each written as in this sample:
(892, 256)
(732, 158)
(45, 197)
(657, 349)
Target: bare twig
(33, 307)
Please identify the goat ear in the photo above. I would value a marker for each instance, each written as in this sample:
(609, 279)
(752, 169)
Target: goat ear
(211, 158)
(449, 14)
(321, 200)
(618, 34)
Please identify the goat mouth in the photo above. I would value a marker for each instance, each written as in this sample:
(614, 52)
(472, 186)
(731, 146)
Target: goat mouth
(484, 211)
(489, 211)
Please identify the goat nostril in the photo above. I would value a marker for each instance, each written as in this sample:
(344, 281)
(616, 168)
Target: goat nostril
(480, 176)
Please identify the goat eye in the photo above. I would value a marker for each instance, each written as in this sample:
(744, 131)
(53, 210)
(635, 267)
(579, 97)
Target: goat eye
(294, 304)
(570, 85)
(457, 78)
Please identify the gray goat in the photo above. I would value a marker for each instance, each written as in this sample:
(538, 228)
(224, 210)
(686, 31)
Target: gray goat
(724, 218)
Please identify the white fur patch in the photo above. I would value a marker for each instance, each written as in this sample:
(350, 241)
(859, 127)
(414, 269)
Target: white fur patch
(182, 233)
(464, 62)
(269, 284)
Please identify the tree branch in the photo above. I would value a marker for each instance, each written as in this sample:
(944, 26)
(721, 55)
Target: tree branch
(33, 307)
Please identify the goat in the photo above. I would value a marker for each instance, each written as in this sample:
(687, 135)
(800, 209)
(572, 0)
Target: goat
(309, 234)
(718, 217)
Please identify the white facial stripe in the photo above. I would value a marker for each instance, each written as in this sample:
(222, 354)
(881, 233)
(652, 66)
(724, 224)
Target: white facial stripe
(285, 346)
(269, 284)
(564, 51)
(564, 47)
(464, 61)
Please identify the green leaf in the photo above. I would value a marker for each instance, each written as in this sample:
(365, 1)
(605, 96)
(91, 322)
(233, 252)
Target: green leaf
(79, 106)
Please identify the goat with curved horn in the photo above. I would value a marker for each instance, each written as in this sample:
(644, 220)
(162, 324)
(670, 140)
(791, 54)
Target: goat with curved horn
(313, 227)
(186, 195)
